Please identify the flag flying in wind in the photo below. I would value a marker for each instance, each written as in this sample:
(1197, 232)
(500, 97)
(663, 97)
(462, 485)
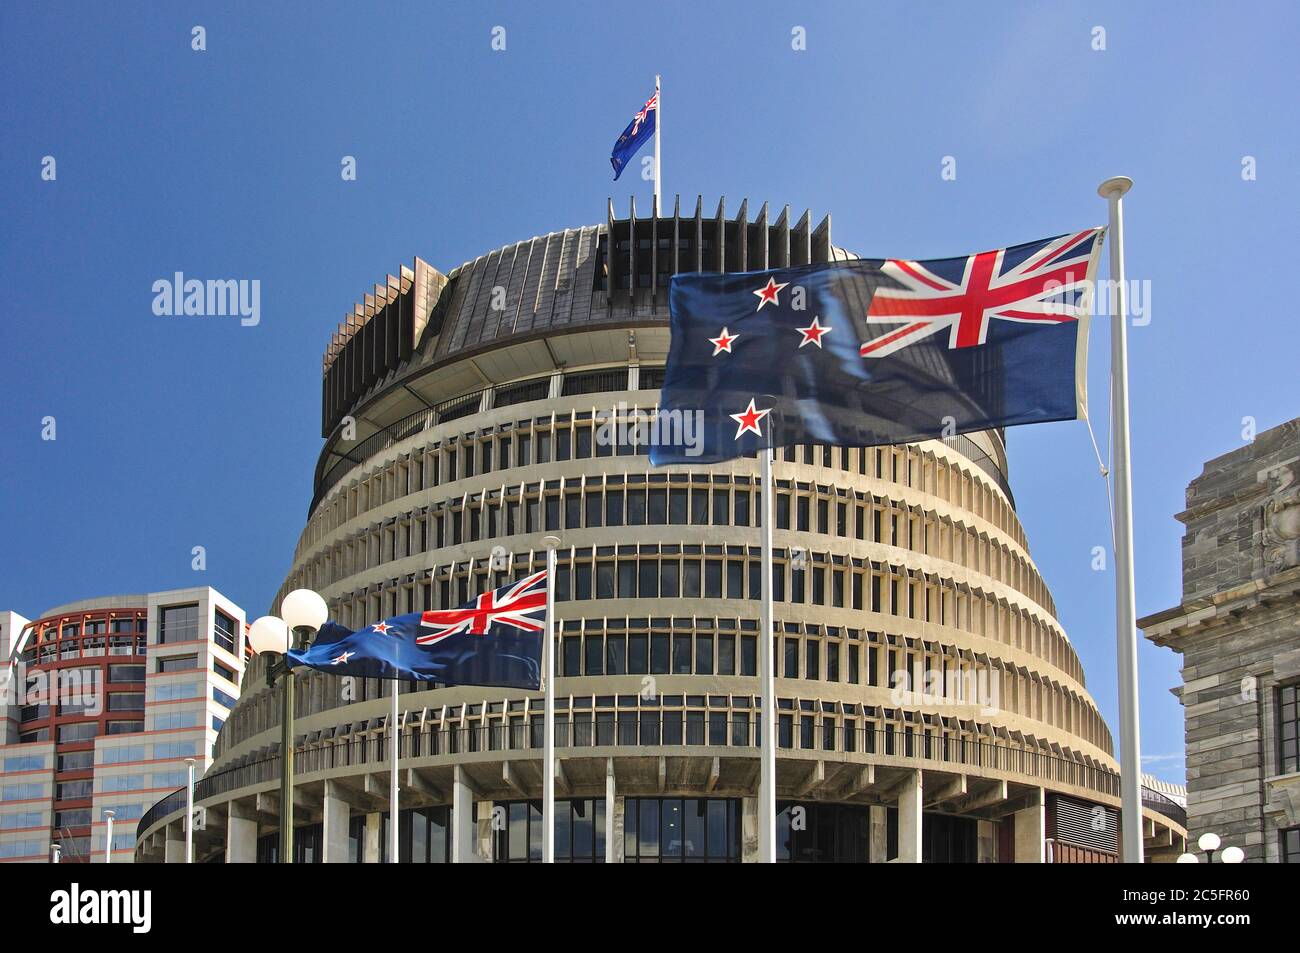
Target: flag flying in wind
(639, 131)
(866, 352)
(495, 639)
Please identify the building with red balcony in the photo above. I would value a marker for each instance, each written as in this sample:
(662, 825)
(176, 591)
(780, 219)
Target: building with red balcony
(104, 703)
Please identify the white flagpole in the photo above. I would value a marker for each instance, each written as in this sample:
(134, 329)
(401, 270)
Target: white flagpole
(548, 660)
(1112, 190)
(108, 848)
(767, 714)
(189, 812)
(393, 816)
(659, 122)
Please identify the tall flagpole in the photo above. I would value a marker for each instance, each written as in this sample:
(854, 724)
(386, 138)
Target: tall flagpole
(393, 816)
(548, 660)
(1130, 778)
(659, 122)
(189, 812)
(767, 714)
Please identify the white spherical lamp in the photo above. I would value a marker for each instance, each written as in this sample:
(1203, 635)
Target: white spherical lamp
(1232, 855)
(304, 609)
(1209, 841)
(268, 634)
(1187, 859)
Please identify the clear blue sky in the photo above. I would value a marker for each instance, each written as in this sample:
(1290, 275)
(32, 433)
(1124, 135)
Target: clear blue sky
(175, 433)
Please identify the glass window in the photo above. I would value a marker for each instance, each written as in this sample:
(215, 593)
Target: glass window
(676, 830)
(1288, 728)
(224, 631)
(178, 624)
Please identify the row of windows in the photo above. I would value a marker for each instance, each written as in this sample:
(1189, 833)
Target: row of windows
(160, 751)
(23, 848)
(564, 436)
(682, 573)
(114, 701)
(26, 762)
(923, 673)
(21, 820)
(88, 647)
(499, 514)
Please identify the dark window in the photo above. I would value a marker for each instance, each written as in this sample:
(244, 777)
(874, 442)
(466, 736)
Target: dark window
(579, 832)
(178, 624)
(224, 631)
(681, 830)
(1288, 728)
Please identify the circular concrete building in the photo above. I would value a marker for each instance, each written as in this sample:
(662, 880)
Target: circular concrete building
(929, 705)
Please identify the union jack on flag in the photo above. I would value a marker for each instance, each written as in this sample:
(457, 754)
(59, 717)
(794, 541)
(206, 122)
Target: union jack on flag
(638, 132)
(1045, 281)
(869, 351)
(521, 606)
(495, 639)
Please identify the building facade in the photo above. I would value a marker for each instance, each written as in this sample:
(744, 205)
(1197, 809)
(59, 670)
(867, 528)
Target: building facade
(105, 701)
(1238, 630)
(930, 707)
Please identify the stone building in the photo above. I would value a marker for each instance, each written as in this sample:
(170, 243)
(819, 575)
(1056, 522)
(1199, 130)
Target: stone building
(929, 704)
(1238, 630)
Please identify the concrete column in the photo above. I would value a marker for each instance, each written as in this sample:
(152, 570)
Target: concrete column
(337, 814)
(174, 847)
(463, 833)
(485, 847)
(909, 820)
(241, 834)
(986, 839)
(613, 818)
(749, 830)
(878, 846)
(371, 847)
(1031, 833)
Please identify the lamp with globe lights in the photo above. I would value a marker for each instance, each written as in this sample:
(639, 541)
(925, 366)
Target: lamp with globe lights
(302, 613)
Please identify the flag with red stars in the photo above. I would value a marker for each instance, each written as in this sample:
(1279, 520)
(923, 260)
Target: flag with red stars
(876, 351)
(494, 639)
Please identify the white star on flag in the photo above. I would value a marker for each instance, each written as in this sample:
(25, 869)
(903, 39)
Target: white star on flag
(749, 419)
(813, 333)
(768, 294)
(343, 658)
(723, 342)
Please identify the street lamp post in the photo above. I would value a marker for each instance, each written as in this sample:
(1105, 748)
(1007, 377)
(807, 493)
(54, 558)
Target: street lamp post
(303, 613)
(1209, 842)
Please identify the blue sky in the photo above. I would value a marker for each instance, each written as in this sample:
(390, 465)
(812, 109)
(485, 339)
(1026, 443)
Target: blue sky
(179, 432)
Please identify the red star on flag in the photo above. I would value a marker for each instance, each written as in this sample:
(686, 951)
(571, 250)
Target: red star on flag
(343, 658)
(723, 342)
(813, 333)
(768, 294)
(381, 627)
(748, 419)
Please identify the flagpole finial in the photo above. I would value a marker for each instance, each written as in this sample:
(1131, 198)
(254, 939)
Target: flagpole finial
(1115, 185)
(551, 542)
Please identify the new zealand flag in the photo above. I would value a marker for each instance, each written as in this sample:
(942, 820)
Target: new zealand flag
(639, 131)
(496, 639)
(866, 352)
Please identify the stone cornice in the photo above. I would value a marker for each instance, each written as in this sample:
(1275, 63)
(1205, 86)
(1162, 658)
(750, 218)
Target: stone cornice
(1196, 616)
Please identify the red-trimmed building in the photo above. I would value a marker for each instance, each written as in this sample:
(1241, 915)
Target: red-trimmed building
(105, 701)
